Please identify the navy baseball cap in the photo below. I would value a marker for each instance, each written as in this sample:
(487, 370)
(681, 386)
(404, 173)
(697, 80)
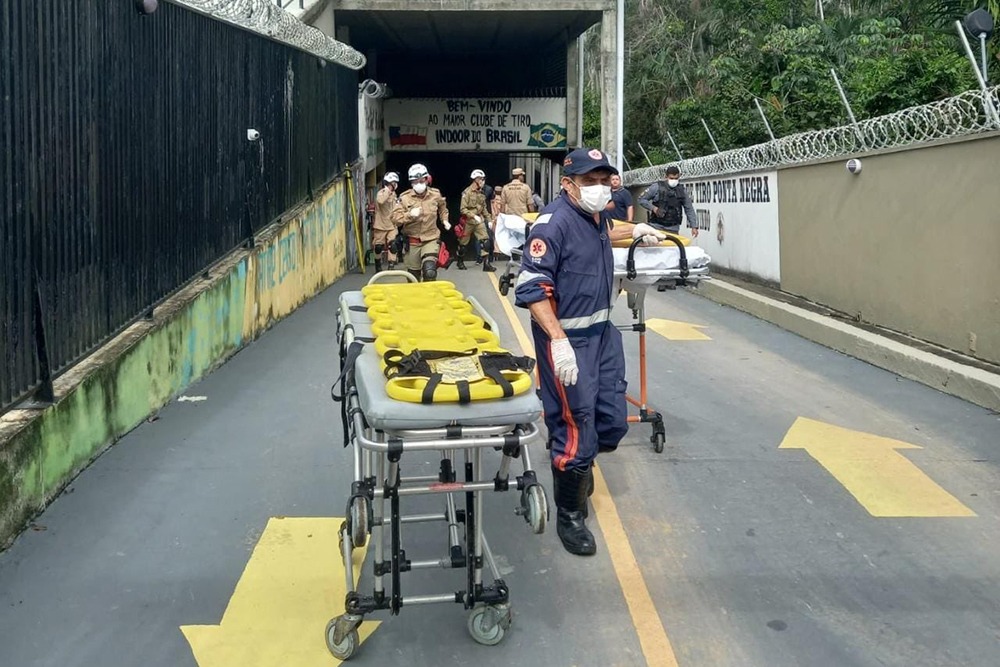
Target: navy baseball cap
(586, 160)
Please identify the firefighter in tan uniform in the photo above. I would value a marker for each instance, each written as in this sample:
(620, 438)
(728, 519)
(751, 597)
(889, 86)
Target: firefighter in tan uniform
(517, 195)
(419, 210)
(476, 220)
(385, 232)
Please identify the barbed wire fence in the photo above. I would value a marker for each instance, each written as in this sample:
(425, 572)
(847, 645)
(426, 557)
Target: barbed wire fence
(266, 18)
(972, 112)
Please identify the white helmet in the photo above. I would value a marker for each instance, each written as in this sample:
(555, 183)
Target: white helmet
(391, 177)
(477, 173)
(417, 172)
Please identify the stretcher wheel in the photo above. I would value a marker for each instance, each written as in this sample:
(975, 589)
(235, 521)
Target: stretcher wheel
(658, 440)
(538, 509)
(359, 522)
(505, 284)
(347, 646)
(489, 623)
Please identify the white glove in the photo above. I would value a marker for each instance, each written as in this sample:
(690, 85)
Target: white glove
(564, 359)
(446, 225)
(478, 218)
(415, 212)
(649, 234)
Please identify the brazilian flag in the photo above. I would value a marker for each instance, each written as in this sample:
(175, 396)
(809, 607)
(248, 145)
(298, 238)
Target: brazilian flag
(547, 135)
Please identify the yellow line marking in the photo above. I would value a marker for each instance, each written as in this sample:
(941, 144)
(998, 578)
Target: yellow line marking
(652, 637)
(672, 330)
(527, 346)
(292, 586)
(885, 482)
(653, 640)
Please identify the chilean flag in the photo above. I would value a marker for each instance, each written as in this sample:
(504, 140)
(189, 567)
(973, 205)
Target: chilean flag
(407, 135)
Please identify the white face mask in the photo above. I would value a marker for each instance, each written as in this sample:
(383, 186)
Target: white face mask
(672, 182)
(420, 188)
(593, 198)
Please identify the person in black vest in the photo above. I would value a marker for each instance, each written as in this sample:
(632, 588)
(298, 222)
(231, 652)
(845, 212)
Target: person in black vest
(665, 200)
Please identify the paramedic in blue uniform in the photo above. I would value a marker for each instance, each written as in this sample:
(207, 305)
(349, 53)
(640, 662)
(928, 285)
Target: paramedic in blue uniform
(566, 282)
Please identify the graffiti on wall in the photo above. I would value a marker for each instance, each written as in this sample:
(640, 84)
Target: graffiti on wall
(305, 256)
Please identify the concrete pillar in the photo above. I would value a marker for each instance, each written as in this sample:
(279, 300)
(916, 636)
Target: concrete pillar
(609, 83)
(324, 22)
(574, 109)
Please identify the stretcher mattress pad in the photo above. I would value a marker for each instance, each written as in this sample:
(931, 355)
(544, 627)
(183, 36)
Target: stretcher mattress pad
(387, 414)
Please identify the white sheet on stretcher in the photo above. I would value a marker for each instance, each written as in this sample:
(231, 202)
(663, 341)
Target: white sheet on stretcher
(510, 238)
(509, 233)
(660, 258)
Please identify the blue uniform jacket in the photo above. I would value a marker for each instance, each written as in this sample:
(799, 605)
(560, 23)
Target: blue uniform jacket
(567, 258)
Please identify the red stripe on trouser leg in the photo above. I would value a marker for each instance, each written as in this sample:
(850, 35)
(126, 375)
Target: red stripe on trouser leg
(572, 431)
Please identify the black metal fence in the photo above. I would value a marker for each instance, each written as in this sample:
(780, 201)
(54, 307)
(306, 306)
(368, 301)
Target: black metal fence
(125, 168)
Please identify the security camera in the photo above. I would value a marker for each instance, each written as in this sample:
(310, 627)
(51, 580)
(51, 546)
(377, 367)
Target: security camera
(253, 135)
(854, 166)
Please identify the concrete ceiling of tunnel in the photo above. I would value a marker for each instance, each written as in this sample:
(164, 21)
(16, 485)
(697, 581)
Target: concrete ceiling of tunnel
(439, 32)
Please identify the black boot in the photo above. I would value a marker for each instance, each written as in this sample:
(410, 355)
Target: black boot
(461, 259)
(590, 491)
(378, 265)
(570, 488)
(487, 267)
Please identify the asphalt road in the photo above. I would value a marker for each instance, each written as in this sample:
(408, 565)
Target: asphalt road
(751, 554)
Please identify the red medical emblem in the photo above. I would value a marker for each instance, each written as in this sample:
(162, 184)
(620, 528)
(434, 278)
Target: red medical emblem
(596, 154)
(537, 248)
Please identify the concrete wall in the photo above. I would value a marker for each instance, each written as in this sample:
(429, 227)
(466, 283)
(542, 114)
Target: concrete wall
(140, 371)
(912, 243)
(737, 222)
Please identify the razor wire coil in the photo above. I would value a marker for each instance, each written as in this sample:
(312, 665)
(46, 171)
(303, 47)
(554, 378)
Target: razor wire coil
(264, 17)
(971, 112)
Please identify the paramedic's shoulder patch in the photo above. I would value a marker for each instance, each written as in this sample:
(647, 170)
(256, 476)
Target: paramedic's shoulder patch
(537, 248)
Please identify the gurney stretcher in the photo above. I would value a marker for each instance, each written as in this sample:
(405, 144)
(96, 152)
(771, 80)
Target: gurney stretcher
(637, 268)
(643, 268)
(384, 433)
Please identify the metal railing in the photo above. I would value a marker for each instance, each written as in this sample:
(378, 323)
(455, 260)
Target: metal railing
(972, 112)
(125, 165)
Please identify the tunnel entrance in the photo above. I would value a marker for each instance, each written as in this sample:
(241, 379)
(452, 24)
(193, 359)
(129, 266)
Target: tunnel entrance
(450, 171)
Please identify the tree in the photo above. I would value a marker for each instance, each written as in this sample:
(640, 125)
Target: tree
(710, 58)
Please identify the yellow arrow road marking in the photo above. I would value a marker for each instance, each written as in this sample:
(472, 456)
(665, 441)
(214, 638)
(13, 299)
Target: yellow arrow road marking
(292, 586)
(672, 330)
(884, 481)
(653, 640)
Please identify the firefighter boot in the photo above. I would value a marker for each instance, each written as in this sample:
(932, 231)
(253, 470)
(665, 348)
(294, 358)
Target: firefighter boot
(487, 267)
(460, 254)
(570, 487)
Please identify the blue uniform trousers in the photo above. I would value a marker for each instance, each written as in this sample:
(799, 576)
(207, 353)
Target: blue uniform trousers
(592, 414)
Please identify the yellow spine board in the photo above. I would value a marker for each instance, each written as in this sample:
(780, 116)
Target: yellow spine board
(435, 316)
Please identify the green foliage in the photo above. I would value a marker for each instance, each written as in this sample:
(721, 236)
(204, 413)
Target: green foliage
(591, 118)
(710, 59)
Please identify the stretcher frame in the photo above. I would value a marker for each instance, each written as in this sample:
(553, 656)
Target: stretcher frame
(378, 481)
(636, 297)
